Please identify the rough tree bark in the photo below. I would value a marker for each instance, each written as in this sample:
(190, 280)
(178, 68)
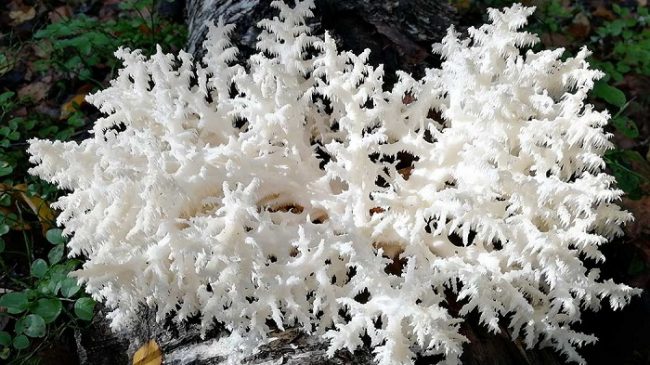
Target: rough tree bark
(399, 35)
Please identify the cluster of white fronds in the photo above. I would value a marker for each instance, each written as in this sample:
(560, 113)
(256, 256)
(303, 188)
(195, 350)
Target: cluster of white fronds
(272, 192)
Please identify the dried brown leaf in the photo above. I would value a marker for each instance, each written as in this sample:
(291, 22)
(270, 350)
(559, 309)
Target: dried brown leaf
(602, 12)
(22, 14)
(60, 13)
(580, 27)
(36, 91)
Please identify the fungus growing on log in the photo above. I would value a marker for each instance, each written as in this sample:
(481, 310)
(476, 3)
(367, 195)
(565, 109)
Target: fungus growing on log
(270, 194)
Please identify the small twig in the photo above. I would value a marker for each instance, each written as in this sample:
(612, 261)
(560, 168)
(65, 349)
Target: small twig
(30, 257)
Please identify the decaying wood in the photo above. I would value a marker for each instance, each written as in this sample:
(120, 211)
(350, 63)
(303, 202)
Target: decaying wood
(398, 33)
(182, 345)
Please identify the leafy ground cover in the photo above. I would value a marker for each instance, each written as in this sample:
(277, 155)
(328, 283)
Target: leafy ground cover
(52, 54)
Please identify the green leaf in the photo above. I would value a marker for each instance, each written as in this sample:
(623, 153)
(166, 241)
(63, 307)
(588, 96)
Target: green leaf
(5, 168)
(21, 342)
(39, 268)
(627, 34)
(54, 236)
(28, 125)
(65, 134)
(47, 132)
(84, 74)
(626, 181)
(4, 229)
(6, 96)
(14, 135)
(626, 126)
(58, 277)
(69, 287)
(5, 200)
(84, 308)
(48, 308)
(76, 119)
(5, 338)
(34, 326)
(15, 302)
(31, 294)
(631, 155)
(610, 94)
(14, 122)
(2, 245)
(20, 325)
(55, 254)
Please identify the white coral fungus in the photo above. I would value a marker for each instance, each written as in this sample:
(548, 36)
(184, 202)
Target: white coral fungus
(274, 191)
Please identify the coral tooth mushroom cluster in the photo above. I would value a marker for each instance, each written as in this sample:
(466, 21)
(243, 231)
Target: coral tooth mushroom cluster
(273, 191)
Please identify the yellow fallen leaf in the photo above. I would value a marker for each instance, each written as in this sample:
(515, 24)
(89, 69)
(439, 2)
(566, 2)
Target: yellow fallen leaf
(148, 354)
(71, 105)
(39, 206)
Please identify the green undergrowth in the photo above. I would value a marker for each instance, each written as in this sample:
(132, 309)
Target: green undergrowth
(69, 58)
